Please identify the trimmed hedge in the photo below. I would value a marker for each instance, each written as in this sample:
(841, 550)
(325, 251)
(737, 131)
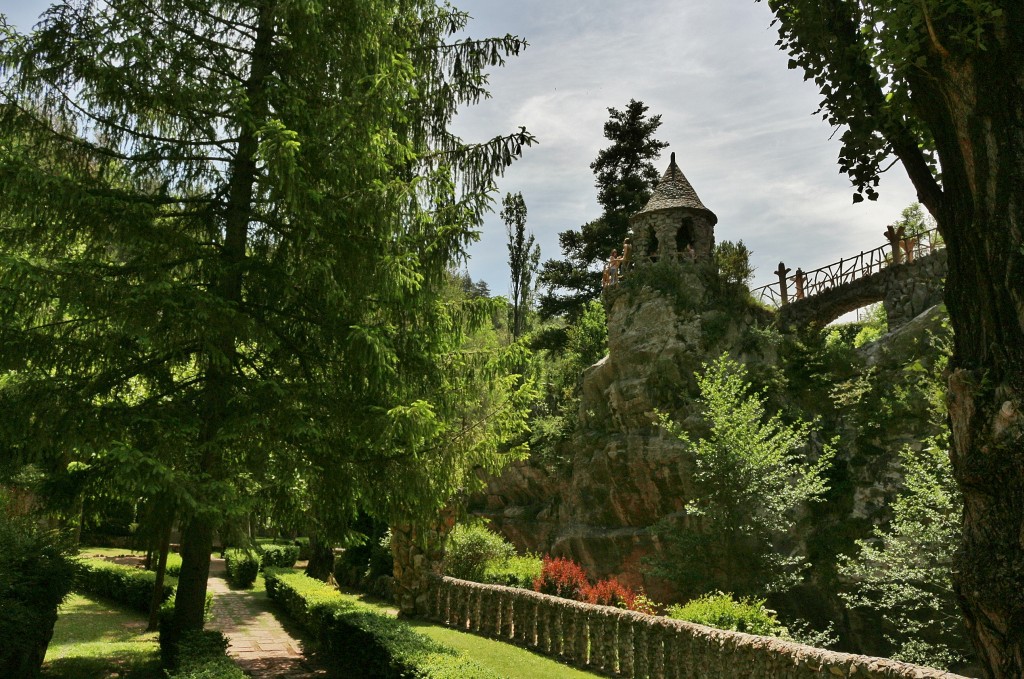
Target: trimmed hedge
(202, 654)
(243, 566)
(354, 635)
(278, 556)
(132, 587)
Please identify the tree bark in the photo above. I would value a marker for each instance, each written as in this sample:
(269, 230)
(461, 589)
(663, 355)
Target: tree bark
(321, 559)
(974, 107)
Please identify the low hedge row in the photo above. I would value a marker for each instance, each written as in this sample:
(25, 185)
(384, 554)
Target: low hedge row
(243, 566)
(278, 556)
(203, 655)
(132, 587)
(355, 635)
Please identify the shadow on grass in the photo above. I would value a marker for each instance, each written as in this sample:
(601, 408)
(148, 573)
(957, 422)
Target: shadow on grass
(95, 640)
(127, 666)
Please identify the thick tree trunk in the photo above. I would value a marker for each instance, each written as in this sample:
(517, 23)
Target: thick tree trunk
(190, 601)
(977, 114)
(321, 559)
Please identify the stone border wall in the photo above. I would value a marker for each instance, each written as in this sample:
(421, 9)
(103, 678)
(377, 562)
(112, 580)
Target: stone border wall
(624, 643)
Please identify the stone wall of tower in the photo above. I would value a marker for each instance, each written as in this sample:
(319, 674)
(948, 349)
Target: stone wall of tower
(664, 234)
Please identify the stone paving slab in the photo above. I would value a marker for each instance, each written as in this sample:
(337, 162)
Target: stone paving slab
(257, 641)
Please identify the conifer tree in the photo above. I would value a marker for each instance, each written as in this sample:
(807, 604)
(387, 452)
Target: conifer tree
(626, 177)
(225, 228)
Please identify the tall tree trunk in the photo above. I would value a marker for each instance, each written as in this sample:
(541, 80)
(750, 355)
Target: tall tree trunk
(321, 558)
(161, 569)
(198, 530)
(980, 105)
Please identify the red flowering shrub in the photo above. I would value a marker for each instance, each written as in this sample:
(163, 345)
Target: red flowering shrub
(567, 579)
(610, 592)
(561, 577)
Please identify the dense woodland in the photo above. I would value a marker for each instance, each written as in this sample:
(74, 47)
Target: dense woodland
(231, 239)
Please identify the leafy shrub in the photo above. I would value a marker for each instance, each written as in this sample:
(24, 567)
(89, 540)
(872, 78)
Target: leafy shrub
(609, 592)
(304, 549)
(129, 586)
(278, 556)
(354, 635)
(561, 577)
(243, 566)
(725, 612)
(36, 573)
(733, 262)
(173, 565)
(471, 548)
(518, 571)
(367, 556)
(202, 654)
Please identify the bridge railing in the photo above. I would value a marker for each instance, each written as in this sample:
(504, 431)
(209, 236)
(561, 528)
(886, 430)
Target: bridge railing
(806, 284)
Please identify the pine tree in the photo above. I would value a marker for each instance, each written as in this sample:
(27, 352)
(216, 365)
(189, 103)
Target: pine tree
(626, 177)
(225, 231)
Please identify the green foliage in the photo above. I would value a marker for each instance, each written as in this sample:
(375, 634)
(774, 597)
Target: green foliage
(235, 293)
(352, 634)
(560, 370)
(723, 611)
(243, 565)
(202, 654)
(749, 481)
(281, 556)
(173, 568)
(367, 555)
(516, 571)
(471, 549)
(905, 570)
(733, 262)
(874, 325)
(127, 585)
(523, 259)
(626, 177)
(36, 574)
(748, 615)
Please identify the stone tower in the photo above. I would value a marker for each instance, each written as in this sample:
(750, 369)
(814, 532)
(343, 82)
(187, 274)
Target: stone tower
(673, 219)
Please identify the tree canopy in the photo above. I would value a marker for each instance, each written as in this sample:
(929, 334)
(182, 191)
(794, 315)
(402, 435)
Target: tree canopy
(226, 230)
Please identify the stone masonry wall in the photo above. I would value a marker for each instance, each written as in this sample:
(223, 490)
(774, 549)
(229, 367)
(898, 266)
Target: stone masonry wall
(624, 643)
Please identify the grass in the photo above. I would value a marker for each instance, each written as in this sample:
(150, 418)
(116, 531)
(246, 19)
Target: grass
(94, 640)
(503, 658)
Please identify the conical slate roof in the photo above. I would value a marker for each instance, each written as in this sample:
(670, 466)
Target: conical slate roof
(674, 191)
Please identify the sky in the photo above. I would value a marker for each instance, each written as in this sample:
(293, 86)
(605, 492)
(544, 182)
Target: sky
(741, 124)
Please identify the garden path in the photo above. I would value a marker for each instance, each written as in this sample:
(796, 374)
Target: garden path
(258, 642)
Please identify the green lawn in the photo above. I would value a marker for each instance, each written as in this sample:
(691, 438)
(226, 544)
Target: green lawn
(98, 640)
(506, 659)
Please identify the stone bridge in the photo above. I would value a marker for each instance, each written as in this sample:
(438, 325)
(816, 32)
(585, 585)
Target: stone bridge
(906, 277)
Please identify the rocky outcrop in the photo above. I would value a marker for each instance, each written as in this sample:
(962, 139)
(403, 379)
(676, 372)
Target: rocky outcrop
(626, 472)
